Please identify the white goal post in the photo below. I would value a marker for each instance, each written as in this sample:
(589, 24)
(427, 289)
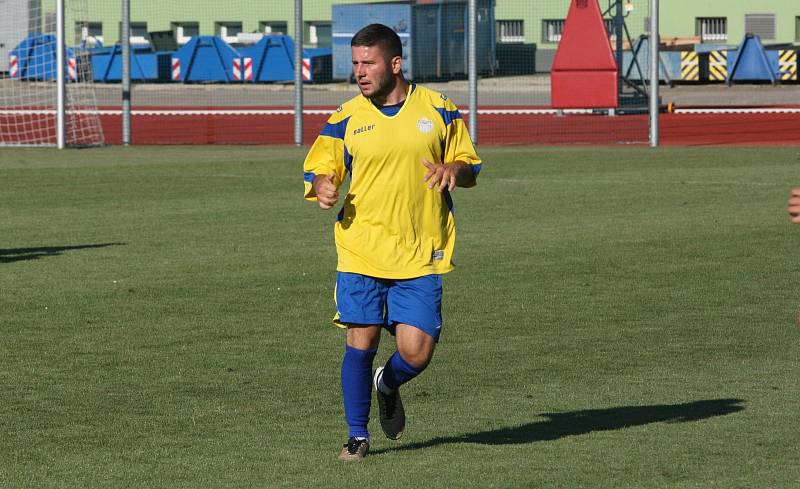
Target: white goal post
(35, 109)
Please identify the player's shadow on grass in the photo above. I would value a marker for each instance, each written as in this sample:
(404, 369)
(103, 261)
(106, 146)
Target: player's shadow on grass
(560, 425)
(22, 254)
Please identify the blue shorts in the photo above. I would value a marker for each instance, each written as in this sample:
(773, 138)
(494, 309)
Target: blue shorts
(361, 299)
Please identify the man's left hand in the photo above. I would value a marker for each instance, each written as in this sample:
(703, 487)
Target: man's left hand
(447, 177)
(443, 176)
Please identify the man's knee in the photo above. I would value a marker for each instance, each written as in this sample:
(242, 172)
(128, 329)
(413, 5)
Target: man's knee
(419, 359)
(415, 346)
(363, 337)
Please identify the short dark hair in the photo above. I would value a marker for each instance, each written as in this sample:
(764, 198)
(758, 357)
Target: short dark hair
(379, 34)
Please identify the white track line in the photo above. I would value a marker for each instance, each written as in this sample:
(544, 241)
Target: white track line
(754, 110)
(278, 112)
(196, 112)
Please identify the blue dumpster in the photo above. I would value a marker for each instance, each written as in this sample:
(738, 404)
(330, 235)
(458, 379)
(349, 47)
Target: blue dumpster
(205, 59)
(752, 63)
(34, 58)
(272, 60)
(317, 64)
(107, 64)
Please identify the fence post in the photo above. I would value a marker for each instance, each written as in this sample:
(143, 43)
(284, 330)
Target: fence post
(473, 70)
(126, 72)
(61, 80)
(655, 39)
(298, 72)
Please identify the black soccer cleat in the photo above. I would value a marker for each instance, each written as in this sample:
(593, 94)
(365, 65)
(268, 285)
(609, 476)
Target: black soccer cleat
(390, 406)
(354, 450)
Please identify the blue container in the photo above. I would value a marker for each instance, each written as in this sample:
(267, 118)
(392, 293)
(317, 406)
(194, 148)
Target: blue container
(107, 64)
(273, 60)
(434, 36)
(35, 59)
(318, 64)
(752, 63)
(350, 18)
(204, 59)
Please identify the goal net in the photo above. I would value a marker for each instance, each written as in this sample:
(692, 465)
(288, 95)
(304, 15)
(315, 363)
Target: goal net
(28, 74)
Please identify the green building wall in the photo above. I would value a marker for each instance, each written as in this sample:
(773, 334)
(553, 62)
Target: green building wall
(678, 17)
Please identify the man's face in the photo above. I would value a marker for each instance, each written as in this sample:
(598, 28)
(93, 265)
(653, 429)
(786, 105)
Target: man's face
(373, 72)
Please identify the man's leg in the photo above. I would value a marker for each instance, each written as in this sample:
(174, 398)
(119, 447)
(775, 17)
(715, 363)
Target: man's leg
(361, 307)
(414, 352)
(362, 344)
(415, 307)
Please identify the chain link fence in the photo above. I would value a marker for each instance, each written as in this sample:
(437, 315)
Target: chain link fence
(548, 71)
(29, 93)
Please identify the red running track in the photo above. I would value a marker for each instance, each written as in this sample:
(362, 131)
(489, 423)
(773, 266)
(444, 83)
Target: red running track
(213, 126)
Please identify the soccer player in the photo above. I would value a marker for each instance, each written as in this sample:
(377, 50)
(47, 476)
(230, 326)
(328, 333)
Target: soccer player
(794, 205)
(406, 149)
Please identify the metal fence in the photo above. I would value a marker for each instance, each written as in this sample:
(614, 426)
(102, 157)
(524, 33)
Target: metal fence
(506, 101)
(547, 72)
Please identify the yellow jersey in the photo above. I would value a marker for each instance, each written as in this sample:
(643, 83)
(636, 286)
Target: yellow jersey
(391, 224)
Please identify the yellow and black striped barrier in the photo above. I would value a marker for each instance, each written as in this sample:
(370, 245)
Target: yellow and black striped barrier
(718, 65)
(787, 65)
(690, 66)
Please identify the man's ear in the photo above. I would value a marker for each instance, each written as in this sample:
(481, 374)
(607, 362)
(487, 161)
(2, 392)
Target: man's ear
(397, 65)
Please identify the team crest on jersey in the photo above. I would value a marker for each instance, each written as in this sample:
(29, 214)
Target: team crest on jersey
(425, 125)
(443, 96)
(339, 109)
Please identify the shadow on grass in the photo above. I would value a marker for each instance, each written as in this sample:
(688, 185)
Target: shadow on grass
(560, 425)
(22, 254)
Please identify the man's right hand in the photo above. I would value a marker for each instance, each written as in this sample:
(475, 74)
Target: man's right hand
(326, 187)
(794, 205)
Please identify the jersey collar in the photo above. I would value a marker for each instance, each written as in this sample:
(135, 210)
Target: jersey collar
(411, 88)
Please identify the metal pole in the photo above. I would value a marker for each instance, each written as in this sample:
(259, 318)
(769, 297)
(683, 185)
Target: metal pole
(126, 72)
(654, 65)
(61, 80)
(298, 72)
(619, 20)
(473, 70)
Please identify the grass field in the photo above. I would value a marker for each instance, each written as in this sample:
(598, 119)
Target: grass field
(619, 318)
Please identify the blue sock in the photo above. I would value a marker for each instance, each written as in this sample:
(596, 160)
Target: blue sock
(357, 388)
(398, 371)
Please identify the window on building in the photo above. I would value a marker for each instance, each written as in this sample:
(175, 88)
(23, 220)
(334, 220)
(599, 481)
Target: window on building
(90, 33)
(552, 30)
(138, 33)
(712, 29)
(762, 25)
(797, 28)
(318, 34)
(269, 27)
(510, 31)
(185, 31)
(229, 31)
